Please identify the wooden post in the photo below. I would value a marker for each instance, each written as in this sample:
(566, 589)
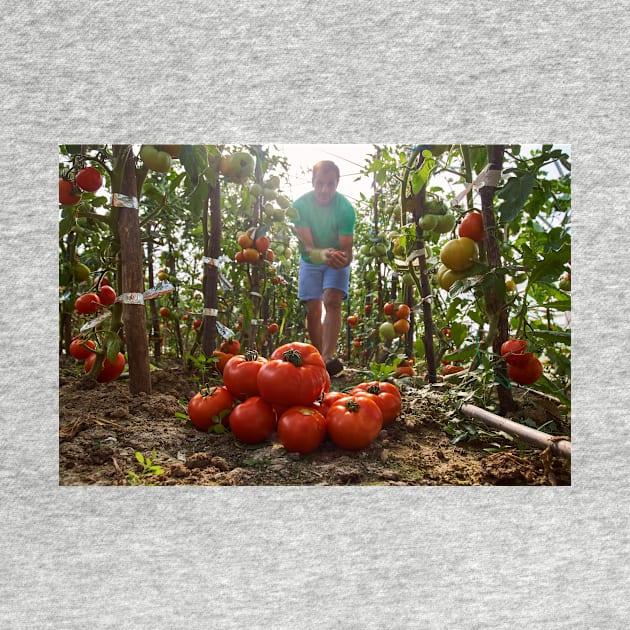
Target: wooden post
(134, 315)
(212, 249)
(495, 302)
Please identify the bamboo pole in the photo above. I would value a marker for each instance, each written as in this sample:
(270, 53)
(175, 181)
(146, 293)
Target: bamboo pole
(558, 446)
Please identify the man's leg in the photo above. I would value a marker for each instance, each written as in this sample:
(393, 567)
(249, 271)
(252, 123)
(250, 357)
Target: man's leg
(332, 322)
(314, 322)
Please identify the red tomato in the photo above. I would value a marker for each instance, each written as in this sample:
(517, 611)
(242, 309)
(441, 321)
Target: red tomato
(368, 308)
(403, 312)
(110, 371)
(389, 308)
(472, 227)
(66, 195)
(273, 328)
(329, 399)
(404, 370)
(232, 346)
(301, 429)
(354, 422)
(262, 244)
(352, 320)
(107, 295)
(87, 303)
(251, 255)
(513, 351)
(241, 372)
(294, 375)
(223, 358)
(452, 369)
(386, 396)
(196, 324)
(79, 350)
(89, 178)
(253, 421)
(527, 373)
(446, 332)
(210, 406)
(165, 312)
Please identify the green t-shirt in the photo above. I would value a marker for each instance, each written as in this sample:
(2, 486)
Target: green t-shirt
(327, 223)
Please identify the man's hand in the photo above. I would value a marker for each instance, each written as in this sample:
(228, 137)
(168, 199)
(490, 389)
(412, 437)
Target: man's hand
(335, 258)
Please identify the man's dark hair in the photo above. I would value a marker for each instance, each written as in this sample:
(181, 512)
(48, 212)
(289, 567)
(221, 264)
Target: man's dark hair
(326, 165)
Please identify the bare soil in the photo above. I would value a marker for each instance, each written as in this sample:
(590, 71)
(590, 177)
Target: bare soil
(102, 427)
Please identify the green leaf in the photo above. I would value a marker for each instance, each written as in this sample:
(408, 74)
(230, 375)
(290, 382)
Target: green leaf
(559, 305)
(194, 159)
(140, 457)
(514, 194)
(459, 332)
(465, 353)
(421, 176)
(551, 266)
(551, 336)
(198, 199)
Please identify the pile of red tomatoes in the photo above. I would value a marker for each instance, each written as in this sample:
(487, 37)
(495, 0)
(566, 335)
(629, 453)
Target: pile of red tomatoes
(289, 393)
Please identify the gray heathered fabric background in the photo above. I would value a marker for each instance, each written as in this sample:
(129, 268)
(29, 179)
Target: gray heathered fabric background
(303, 557)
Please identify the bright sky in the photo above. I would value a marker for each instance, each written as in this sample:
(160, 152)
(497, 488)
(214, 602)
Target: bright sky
(348, 157)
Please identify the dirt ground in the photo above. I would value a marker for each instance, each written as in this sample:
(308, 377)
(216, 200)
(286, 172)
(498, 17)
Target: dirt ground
(102, 427)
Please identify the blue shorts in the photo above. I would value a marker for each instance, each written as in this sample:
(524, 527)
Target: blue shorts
(315, 278)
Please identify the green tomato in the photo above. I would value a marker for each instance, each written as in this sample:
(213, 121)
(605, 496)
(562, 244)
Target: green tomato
(445, 223)
(387, 331)
(283, 201)
(428, 221)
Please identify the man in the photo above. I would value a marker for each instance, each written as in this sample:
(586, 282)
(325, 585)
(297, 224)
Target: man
(325, 229)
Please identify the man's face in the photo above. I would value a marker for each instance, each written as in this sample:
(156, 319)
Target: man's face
(325, 185)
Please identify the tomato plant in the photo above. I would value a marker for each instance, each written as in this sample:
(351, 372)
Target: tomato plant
(301, 429)
(354, 422)
(253, 421)
(210, 407)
